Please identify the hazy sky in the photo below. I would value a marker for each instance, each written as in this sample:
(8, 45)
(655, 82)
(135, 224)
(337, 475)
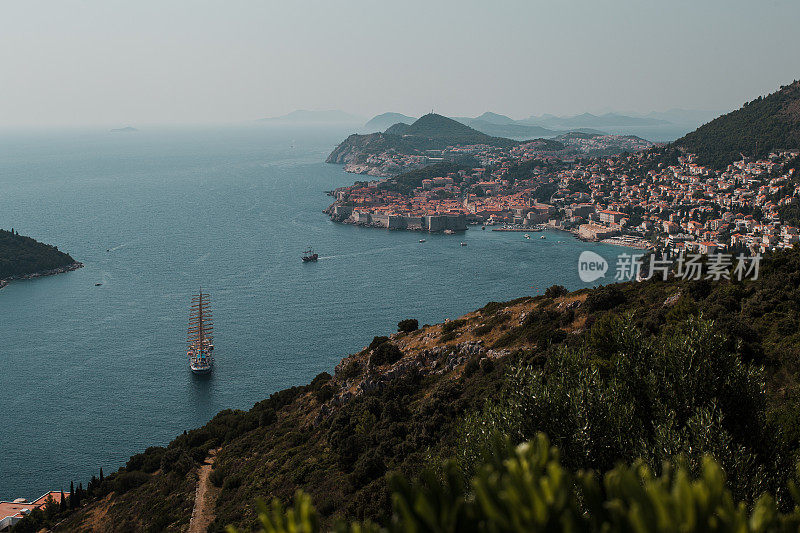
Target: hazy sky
(170, 61)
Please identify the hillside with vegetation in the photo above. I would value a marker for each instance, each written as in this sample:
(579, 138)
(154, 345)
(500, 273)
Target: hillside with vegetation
(451, 132)
(408, 181)
(22, 256)
(763, 125)
(640, 374)
(430, 132)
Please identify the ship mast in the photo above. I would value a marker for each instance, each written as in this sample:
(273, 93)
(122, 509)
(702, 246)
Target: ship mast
(200, 325)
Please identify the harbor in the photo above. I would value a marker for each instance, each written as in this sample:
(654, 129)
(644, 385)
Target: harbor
(629, 242)
(530, 229)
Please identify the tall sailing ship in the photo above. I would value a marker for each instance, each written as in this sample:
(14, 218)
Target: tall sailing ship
(200, 338)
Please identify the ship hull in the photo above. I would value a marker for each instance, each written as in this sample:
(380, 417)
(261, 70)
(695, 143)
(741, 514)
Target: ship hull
(201, 370)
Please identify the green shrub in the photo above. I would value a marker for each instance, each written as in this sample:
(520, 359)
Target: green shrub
(126, 481)
(148, 462)
(324, 394)
(217, 476)
(603, 334)
(527, 489)
(604, 298)
(447, 337)
(493, 322)
(350, 370)
(453, 325)
(176, 460)
(472, 366)
(267, 417)
(491, 308)
(377, 341)
(555, 291)
(683, 392)
(368, 467)
(407, 325)
(319, 381)
(231, 482)
(386, 354)
(540, 328)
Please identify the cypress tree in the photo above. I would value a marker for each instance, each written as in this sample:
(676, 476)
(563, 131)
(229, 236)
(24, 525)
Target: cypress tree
(62, 504)
(101, 475)
(72, 495)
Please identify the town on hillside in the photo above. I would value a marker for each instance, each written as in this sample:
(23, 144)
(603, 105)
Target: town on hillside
(653, 198)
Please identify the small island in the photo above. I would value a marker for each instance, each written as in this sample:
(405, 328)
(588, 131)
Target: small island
(25, 258)
(126, 129)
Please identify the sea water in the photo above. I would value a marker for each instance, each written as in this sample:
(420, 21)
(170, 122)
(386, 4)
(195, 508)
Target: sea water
(90, 375)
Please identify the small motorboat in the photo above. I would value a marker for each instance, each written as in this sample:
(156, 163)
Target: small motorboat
(463, 244)
(542, 237)
(483, 227)
(97, 284)
(527, 236)
(422, 240)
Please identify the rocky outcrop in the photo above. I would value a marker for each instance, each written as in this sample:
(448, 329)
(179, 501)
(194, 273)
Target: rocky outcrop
(436, 360)
(356, 148)
(60, 270)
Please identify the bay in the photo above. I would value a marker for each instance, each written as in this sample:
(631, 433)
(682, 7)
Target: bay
(93, 374)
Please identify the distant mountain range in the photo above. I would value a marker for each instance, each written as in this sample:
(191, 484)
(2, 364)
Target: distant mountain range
(588, 120)
(496, 125)
(663, 124)
(303, 116)
(767, 123)
(383, 121)
(489, 123)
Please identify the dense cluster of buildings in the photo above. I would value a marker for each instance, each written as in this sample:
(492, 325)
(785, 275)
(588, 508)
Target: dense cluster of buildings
(635, 199)
(683, 206)
(565, 147)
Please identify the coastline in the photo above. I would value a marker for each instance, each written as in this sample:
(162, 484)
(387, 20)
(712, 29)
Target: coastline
(374, 225)
(636, 243)
(42, 273)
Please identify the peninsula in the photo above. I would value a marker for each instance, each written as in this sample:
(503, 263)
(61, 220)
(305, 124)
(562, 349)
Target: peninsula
(25, 258)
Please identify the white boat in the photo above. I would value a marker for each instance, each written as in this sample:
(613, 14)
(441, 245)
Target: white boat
(463, 244)
(542, 237)
(422, 240)
(200, 339)
(527, 236)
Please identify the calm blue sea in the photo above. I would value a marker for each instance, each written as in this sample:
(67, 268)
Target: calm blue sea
(91, 375)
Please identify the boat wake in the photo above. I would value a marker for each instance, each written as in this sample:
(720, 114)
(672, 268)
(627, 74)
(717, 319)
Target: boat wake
(120, 246)
(366, 252)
